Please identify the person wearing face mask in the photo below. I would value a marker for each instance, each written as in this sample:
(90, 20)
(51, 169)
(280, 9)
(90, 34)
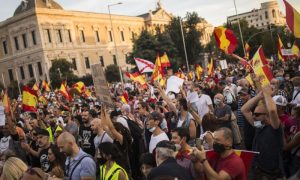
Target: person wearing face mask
(288, 86)
(224, 164)
(53, 128)
(110, 165)
(296, 93)
(222, 111)
(268, 139)
(153, 125)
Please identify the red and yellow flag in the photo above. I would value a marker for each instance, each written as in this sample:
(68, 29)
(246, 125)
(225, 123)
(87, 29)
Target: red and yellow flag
(247, 49)
(225, 39)
(29, 99)
(87, 93)
(295, 50)
(165, 62)
(45, 86)
(35, 87)
(264, 74)
(279, 47)
(198, 71)
(79, 86)
(292, 19)
(157, 74)
(136, 77)
(210, 68)
(124, 98)
(259, 58)
(43, 100)
(64, 91)
(6, 102)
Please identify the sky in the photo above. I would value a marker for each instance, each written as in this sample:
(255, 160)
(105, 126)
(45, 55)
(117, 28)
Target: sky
(214, 11)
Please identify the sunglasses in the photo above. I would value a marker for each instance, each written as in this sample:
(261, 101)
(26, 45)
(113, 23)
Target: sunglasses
(258, 114)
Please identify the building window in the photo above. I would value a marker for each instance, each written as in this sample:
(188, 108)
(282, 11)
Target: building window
(16, 43)
(256, 25)
(110, 36)
(115, 60)
(97, 36)
(33, 37)
(251, 21)
(260, 17)
(266, 15)
(40, 68)
(59, 35)
(22, 72)
(82, 36)
(24, 37)
(274, 13)
(262, 24)
(30, 69)
(122, 36)
(74, 64)
(49, 35)
(87, 63)
(4, 43)
(102, 61)
(11, 75)
(70, 37)
(132, 35)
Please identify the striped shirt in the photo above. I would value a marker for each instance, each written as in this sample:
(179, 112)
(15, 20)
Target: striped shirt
(240, 117)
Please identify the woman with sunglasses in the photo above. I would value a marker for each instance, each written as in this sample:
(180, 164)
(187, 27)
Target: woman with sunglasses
(57, 160)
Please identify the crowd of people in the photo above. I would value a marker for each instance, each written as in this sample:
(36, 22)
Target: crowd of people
(157, 135)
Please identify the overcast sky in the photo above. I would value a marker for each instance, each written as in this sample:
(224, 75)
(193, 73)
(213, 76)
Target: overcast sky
(214, 11)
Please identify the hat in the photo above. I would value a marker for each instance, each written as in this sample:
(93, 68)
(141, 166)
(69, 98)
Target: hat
(43, 132)
(280, 100)
(244, 91)
(166, 144)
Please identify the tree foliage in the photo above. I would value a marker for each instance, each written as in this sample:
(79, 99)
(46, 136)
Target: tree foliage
(112, 73)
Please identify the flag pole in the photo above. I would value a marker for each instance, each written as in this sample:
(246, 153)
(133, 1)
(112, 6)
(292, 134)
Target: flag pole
(183, 41)
(241, 34)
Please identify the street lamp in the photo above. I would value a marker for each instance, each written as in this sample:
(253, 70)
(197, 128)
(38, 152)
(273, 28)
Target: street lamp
(115, 44)
(183, 41)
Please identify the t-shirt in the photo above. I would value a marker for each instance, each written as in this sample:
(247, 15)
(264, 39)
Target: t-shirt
(104, 137)
(221, 112)
(232, 165)
(87, 140)
(202, 104)
(290, 125)
(156, 139)
(4, 143)
(45, 164)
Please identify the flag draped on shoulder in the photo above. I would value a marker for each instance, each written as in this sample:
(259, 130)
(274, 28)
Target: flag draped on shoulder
(225, 39)
(210, 68)
(45, 86)
(144, 65)
(29, 100)
(80, 87)
(292, 19)
(157, 74)
(279, 48)
(165, 62)
(64, 91)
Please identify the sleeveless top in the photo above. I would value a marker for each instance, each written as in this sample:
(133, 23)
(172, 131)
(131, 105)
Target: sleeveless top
(113, 172)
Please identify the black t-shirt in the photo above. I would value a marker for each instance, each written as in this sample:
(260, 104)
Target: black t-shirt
(44, 161)
(87, 140)
(269, 143)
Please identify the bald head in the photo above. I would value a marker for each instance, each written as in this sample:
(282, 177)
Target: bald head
(67, 144)
(66, 137)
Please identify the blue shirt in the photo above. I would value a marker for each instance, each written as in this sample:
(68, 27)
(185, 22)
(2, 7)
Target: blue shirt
(86, 167)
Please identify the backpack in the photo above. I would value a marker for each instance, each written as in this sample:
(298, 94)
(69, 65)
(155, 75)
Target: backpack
(135, 130)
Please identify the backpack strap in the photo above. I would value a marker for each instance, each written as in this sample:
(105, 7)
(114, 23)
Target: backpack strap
(113, 173)
(296, 95)
(68, 168)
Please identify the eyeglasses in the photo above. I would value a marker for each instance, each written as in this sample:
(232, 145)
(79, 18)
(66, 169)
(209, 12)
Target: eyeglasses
(258, 114)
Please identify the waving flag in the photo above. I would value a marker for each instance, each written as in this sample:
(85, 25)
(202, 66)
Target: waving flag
(279, 47)
(35, 87)
(136, 77)
(64, 91)
(45, 86)
(259, 58)
(6, 102)
(225, 39)
(124, 98)
(210, 68)
(198, 71)
(29, 99)
(79, 86)
(295, 50)
(144, 65)
(165, 62)
(157, 74)
(292, 19)
(247, 49)
(265, 74)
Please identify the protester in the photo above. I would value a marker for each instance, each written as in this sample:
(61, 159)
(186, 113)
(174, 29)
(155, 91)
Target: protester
(57, 160)
(147, 163)
(13, 168)
(86, 133)
(222, 111)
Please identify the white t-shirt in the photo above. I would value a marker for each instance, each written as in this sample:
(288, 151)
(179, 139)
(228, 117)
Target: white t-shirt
(156, 139)
(202, 104)
(4, 143)
(104, 137)
(296, 98)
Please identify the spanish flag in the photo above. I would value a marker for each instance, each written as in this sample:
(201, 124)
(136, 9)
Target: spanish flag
(158, 70)
(180, 74)
(35, 87)
(249, 79)
(87, 93)
(191, 75)
(29, 99)
(225, 39)
(136, 77)
(264, 74)
(199, 71)
(64, 91)
(295, 50)
(124, 98)
(45, 86)
(43, 100)
(247, 49)
(259, 58)
(210, 68)
(165, 62)
(279, 47)
(79, 86)
(292, 19)
(6, 102)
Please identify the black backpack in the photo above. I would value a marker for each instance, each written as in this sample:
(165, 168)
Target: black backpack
(135, 130)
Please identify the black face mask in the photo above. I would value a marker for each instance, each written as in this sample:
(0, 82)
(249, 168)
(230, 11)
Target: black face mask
(218, 148)
(101, 161)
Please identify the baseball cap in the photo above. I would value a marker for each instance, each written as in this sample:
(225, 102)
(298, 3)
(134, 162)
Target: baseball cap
(280, 100)
(41, 131)
(166, 144)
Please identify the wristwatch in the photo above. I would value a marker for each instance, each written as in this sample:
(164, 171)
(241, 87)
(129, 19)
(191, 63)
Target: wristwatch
(202, 161)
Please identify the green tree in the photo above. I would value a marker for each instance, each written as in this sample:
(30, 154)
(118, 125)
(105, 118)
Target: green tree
(112, 73)
(62, 70)
(87, 79)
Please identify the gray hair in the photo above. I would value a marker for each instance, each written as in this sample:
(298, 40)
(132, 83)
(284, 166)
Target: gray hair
(165, 153)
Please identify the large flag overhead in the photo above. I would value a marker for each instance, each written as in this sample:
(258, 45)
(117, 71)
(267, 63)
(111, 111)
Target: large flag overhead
(292, 19)
(210, 68)
(225, 39)
(279, 48)
(165, 62)
(64, 91)
(144, 65)
(259, 58)
(157, 74)
(29, 99)
(45, 86)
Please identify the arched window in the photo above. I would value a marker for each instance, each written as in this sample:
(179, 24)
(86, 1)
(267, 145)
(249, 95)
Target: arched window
(274, 13)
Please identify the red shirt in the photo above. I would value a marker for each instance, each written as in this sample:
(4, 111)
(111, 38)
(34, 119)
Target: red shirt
(232, 164)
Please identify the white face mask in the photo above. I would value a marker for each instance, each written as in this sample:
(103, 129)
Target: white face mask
(152, 129)
(258, 124)
(178, 147)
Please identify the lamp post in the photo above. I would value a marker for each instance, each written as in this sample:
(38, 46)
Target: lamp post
(183, 41)
(115, 44)
(241, 34)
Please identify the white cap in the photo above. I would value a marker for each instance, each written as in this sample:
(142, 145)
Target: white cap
(280, 100)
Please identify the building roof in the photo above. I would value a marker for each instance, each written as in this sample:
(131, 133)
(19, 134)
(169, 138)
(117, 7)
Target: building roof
(30, 4)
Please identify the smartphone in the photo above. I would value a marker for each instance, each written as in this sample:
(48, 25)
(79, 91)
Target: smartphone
(199, 143)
